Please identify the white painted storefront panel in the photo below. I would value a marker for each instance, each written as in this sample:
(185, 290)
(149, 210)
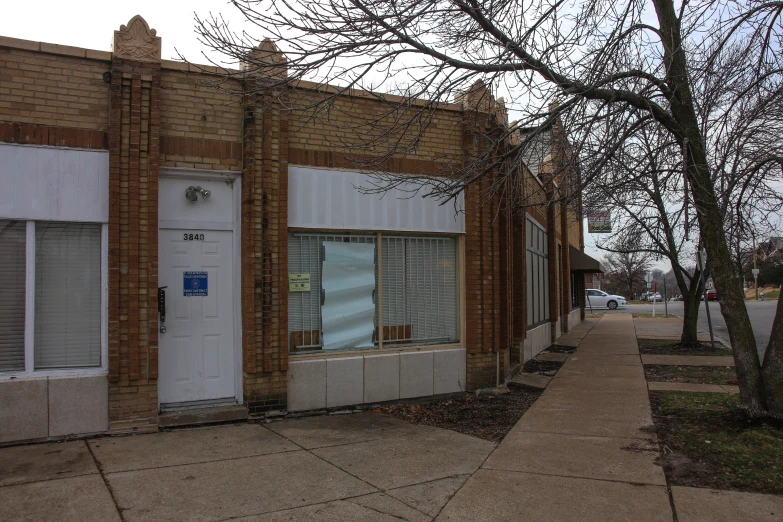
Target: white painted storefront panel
(316, 383)
(574, 318)
(537, 340)
(331, 199)
(53, 184)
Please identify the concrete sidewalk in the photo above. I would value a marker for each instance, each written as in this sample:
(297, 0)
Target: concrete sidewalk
(584, 451)
(364, 467)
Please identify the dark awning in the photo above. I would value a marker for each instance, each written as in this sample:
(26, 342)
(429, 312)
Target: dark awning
(581, 262)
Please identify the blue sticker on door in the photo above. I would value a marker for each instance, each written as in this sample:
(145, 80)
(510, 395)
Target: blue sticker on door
(194, 284)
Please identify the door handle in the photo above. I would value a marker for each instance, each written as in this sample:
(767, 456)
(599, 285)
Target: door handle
(162, 307)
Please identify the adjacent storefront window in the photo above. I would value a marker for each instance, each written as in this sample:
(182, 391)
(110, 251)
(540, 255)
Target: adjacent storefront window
(12, 294)
(51, 273)
(335, 302)
(67, 295)
(537, 273)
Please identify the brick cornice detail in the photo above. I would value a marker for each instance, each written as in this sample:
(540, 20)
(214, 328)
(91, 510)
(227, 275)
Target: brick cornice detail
(335, 160)
(217, 149)
(33, 134)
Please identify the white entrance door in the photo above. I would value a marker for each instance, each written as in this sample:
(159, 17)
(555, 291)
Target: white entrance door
(196, 351)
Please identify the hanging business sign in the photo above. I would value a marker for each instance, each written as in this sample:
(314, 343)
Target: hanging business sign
(599, 222)
(194, 284)
(298, 282)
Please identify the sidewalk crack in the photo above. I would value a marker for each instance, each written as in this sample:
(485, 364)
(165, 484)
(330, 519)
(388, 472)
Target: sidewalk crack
(120, 511)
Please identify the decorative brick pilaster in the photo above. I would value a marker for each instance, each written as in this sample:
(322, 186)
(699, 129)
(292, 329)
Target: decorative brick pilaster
(565, 268)
(519, 253)
(134, 151)
(265, 239)
(482, 253)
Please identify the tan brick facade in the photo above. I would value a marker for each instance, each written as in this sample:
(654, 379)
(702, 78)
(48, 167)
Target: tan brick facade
(152, 114)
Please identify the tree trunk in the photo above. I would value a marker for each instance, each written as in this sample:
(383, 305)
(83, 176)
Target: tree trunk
(690, 331)
(725, 277)
(772, 369)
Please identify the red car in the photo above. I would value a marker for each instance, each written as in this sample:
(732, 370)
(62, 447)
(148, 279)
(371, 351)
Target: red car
(712, 294)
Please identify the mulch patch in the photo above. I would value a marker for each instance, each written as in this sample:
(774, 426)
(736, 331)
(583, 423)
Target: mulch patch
(557, 348)
(668, 347)
(691, 374)
(488, 417)
(542, 367)
(708, 442)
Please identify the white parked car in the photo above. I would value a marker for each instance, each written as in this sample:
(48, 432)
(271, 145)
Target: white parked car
(599, 299)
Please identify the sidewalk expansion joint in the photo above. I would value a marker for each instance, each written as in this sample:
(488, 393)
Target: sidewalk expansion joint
(196, 463)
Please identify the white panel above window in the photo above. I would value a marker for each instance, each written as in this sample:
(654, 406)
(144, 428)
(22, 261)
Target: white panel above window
(331, 199)
(53, 184)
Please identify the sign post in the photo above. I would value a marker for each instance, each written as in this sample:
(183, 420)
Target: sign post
(665, 299)
(700, 259)
(648, 278)
(756, 280)
(655, 293)
(755, 269)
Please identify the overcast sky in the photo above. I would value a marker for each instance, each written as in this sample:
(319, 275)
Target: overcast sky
(91, 24)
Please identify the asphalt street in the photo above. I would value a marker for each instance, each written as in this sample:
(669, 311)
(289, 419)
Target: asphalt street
(761, 314)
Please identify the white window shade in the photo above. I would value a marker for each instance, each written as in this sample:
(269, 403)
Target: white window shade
(67, 295)
(12, 294)
(348, 282)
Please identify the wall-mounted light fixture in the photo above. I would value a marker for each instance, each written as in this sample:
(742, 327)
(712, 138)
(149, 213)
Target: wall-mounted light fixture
(192, 193)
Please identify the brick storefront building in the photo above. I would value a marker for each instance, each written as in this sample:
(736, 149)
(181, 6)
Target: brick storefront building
(285, 287)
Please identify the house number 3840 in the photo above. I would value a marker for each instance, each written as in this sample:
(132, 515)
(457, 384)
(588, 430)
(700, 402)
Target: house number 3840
(193, 237)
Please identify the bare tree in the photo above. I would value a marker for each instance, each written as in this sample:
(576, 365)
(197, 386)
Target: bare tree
(613, 67)
(627, 269)
(642, 182)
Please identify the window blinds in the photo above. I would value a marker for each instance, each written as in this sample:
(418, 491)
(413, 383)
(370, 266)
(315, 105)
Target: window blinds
(67, 295)
(420, 297)
(12, 294)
